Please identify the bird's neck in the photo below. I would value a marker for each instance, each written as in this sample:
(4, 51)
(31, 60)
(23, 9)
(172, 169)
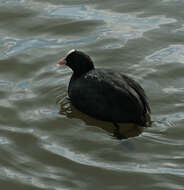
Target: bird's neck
(80, 72)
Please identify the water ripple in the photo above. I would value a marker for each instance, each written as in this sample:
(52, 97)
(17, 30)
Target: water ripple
(85, 160)
(173, 53)
(4, 140)
(118, 25)
(10, 1)
(15, 46)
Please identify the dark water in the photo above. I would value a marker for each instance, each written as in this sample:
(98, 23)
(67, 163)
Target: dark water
(45, 147)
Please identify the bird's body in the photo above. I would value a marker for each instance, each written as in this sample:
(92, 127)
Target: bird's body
(106, 94)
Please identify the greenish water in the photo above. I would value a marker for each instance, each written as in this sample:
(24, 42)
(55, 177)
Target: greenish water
(45, 146)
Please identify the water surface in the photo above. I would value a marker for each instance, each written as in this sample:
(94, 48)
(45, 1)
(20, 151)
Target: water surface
(45, 147)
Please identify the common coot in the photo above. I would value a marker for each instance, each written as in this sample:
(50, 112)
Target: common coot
(103, 93)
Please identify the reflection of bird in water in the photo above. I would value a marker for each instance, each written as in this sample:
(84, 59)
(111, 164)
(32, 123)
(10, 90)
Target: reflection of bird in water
(124, 130)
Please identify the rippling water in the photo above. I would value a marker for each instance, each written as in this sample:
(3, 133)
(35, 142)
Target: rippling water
(45, 146)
